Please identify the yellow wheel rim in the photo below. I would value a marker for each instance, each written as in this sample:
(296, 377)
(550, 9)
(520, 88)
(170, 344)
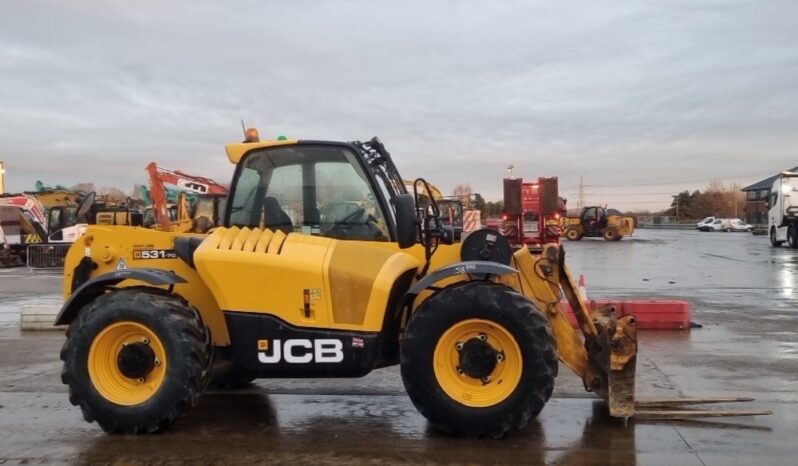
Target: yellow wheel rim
(471, 391)
(104, 370)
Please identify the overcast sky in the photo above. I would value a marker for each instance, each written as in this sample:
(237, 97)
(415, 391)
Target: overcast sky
(638, 97)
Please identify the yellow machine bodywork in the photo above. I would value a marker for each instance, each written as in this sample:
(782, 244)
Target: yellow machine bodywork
(237, 267)
(112, 217)
(54, 198)
(254, 269)
(121, 247)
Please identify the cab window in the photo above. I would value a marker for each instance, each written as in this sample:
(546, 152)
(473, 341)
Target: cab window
(310, 189)
(54, 222)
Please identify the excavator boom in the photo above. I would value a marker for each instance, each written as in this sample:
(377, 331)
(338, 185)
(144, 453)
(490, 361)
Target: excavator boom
(159, 177)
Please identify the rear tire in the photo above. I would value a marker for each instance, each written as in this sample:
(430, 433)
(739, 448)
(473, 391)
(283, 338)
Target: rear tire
(167, 335)
(573, 234)
(792, 236)
(442, 351)
(773, 241)
(611, 234)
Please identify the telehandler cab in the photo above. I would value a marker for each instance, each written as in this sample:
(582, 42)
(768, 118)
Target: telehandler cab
(326, 268)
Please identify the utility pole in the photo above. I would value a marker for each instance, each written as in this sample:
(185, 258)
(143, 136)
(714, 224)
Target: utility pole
(2, 177)
(580, 202)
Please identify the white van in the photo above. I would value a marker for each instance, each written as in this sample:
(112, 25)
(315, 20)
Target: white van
(704, 225)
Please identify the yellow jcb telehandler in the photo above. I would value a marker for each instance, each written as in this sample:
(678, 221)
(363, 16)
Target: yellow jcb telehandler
(324, 267)
(597, 222)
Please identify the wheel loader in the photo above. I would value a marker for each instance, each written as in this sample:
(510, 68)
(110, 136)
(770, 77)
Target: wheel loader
(325, 267)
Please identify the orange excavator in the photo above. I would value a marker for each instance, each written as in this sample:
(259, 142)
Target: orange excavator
(210, 196)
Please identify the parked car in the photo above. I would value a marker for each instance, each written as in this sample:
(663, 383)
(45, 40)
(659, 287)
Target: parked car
(730, 224)
(704, 225)
(736, 224)
(714, 225)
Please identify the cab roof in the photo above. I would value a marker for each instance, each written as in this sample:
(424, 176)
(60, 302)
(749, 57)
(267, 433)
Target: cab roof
(236, 151)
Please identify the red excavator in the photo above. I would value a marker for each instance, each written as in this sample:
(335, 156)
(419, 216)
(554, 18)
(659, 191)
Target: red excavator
(206, 212)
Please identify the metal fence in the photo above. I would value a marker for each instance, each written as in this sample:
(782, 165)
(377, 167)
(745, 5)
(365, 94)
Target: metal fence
(46, 256)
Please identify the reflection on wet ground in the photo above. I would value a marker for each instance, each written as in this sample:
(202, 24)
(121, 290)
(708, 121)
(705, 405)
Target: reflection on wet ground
(255, 427)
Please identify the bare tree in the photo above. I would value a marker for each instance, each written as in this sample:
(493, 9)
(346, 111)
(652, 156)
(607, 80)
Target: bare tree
(86, 187)
(462, 190)
(112, 194)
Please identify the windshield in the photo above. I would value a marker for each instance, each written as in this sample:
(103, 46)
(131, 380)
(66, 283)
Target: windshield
(315, 189)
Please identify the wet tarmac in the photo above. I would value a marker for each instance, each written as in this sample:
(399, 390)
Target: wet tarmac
(743, 296)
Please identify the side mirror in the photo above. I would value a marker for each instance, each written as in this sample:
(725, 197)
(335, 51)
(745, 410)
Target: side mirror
(406, 220)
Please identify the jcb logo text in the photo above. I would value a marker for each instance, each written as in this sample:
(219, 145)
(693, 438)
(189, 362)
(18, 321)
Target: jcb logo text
(300, 351)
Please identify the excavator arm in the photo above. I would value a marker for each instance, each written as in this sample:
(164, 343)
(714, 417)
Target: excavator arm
(159, 177)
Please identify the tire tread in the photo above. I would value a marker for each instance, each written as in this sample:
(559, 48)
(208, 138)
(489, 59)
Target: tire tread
(174, 312)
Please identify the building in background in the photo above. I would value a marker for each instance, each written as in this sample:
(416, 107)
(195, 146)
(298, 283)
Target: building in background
(756, 200)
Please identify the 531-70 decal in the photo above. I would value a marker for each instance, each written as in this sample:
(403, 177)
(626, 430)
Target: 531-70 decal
(142, 254)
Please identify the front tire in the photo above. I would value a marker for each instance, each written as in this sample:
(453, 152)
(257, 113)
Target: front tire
(478, 359)
(135, 360)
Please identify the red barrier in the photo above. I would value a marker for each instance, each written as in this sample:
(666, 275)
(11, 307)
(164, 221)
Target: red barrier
(659, 314)
(651, 314)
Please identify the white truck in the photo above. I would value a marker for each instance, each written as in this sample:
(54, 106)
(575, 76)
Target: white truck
(783, 210)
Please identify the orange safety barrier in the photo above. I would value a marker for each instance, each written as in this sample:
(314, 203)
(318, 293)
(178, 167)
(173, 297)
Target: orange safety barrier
(651, 314)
